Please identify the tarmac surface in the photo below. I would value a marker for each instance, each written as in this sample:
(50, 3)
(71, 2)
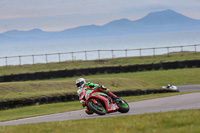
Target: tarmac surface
(172, 103)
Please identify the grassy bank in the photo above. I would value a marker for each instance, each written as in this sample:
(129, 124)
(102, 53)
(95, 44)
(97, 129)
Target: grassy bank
(115, 82)
(38, 110)
(95, 63)
(185, 121)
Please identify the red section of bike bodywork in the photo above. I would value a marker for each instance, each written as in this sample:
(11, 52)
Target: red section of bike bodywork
(110, 106)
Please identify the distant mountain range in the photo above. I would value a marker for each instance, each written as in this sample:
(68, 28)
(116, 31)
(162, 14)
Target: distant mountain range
(155, 22)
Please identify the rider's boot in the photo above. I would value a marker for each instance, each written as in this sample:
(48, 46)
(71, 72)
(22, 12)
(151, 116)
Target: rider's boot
(88, 112)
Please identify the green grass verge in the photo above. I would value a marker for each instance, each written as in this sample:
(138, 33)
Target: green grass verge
(180, 56)
(184, 121)
(115, 82)
(38, 110)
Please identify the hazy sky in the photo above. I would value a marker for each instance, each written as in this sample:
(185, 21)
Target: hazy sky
(55, 15)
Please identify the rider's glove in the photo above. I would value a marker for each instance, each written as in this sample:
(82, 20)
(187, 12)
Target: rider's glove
(83, 103)
(91, 86)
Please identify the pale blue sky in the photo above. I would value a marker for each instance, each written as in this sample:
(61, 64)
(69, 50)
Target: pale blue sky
(56, 15)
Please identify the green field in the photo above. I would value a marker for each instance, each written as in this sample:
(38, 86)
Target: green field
(115, 82)
(185, 121)
(180, 56)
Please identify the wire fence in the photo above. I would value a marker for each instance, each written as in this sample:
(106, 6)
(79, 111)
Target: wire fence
(94, 55)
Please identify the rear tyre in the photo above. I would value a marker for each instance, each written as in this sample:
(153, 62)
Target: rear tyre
(96, 108)
(123, 105)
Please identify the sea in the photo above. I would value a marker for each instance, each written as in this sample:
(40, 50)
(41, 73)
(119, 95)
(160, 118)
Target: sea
(98, 47)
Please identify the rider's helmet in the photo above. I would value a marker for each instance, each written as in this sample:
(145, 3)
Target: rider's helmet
(80, 82)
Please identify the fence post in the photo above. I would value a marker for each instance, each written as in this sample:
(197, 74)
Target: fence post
(126, 52)
(140, 52)
(46, 58)
(33, 59)
(19, 60)
(99, 54)
(168, 51)
(195, 48)
(6, 61)
(182, 50)
(59, 57)
(85, 55)
(72, 56)
(154, 52)
(112, 54)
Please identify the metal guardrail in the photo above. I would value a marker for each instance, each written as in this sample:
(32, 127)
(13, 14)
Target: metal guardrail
(94, 55)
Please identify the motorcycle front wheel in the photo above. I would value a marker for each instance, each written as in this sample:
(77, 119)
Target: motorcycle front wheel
(96, 108)
(123, 105)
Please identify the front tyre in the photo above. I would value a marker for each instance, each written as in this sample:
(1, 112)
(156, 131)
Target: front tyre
(123, 105)
(96, 108)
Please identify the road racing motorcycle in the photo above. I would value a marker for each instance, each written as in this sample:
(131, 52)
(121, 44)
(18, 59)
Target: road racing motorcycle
(100, 103)
(171, 87)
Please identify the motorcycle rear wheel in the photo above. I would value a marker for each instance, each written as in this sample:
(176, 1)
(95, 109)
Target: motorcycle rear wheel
(96, 108)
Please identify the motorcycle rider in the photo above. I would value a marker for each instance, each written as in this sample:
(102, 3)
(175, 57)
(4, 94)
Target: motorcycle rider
(82, 85)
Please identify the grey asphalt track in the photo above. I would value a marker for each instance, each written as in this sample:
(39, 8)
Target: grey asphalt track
(184, 88)
(186, 101)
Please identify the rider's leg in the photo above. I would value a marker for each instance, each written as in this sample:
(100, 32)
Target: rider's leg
(111, 94)
(107, 91)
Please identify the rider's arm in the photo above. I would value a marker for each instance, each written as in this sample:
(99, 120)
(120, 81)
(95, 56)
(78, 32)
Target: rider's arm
(79, 91)
(92, 86)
